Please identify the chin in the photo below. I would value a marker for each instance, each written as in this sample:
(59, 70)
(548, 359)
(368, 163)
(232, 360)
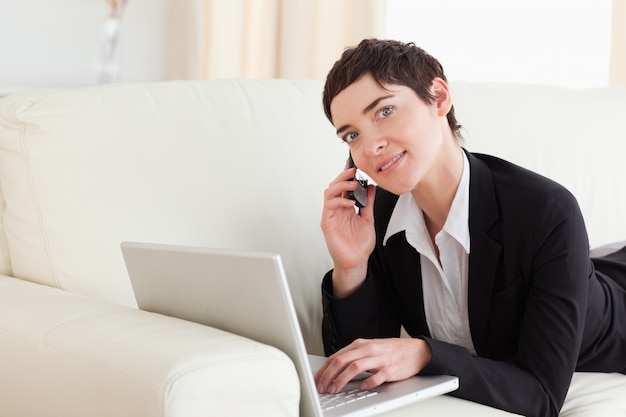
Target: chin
(397, 190)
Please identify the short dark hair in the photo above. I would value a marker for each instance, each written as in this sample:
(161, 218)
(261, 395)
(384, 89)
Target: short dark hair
(387, 61)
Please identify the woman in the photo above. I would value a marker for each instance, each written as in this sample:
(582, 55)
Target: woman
(485, 264)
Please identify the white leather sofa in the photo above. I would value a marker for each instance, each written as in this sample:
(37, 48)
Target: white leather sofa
(234, 164)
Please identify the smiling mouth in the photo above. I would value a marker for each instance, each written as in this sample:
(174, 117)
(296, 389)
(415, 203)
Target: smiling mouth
(390, 163)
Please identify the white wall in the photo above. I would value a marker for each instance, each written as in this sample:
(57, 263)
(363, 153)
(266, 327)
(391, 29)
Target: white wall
(555, 42)
(57, 43)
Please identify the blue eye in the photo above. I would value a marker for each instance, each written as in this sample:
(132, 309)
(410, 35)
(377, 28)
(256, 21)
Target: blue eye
(385, 112)
(351, 136)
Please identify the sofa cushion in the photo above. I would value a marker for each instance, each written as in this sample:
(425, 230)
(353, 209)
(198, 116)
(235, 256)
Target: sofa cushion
(609, 248)
(67, 355)
(595, 394)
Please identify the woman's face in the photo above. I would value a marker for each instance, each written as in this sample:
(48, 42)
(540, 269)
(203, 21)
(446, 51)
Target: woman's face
(394, 136)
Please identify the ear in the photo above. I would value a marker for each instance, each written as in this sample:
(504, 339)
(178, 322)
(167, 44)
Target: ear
(443, 99)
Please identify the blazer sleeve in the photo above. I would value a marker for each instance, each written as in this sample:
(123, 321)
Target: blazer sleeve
(366, 313)
(372, 310)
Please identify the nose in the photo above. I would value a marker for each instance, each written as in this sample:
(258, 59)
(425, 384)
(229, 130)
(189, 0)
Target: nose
(376, 142)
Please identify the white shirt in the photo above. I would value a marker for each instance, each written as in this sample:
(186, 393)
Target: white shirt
(444, 284)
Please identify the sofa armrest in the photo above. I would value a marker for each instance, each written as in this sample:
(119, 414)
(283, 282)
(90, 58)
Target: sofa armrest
(64, 354)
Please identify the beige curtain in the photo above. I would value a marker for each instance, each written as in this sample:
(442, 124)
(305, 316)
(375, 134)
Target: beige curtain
(618, 44)
(267, 38)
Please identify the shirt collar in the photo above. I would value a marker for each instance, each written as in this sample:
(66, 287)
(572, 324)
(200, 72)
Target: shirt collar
(407, 216)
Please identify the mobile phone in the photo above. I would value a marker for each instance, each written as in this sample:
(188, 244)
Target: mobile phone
(359, 195)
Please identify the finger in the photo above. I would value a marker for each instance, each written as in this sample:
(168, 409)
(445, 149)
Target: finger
(335, 204)
(336, 189)
(337, 201)
(377, 379)
(327, 373)
(344, 365)
(345, 175)
(351, 371)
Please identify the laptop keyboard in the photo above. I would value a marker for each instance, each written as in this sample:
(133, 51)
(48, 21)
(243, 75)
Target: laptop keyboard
(346, 396)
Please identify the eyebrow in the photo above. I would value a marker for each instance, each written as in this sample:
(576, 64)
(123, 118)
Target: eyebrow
(365, 110)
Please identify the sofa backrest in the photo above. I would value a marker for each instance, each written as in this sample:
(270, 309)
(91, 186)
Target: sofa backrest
(577, 137)
(243, 164)
(233, 164)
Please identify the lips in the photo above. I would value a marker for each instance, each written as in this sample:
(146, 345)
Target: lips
(392, 161)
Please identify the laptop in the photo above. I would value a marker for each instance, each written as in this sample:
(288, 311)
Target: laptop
(246, 293)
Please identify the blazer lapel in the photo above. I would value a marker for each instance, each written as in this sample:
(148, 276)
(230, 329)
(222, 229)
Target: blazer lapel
(403, 260)
(484, 251)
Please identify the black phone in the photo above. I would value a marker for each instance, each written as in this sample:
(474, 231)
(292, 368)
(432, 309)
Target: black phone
(359, 195)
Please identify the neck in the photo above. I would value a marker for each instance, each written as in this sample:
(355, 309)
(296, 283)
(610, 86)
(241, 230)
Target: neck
(435, 193)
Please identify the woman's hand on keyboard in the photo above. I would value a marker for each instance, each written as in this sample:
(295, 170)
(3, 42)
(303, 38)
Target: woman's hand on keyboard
(387, 359)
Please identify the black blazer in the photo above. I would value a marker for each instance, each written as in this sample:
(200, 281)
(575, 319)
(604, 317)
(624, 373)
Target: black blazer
(530, 279)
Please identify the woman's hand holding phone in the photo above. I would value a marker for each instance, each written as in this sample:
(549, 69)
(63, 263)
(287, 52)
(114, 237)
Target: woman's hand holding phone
(350, 236)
